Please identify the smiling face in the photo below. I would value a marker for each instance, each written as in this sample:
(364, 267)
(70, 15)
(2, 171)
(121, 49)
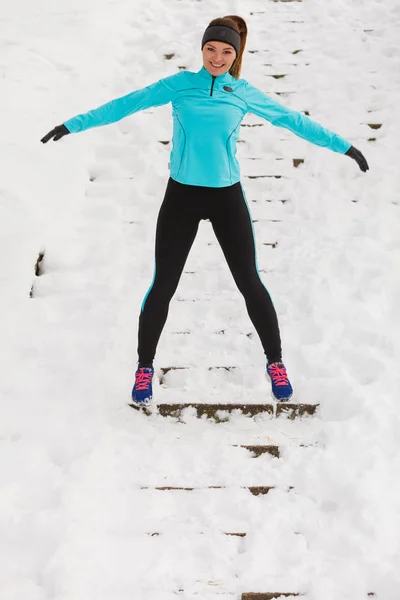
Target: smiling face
(218, 57)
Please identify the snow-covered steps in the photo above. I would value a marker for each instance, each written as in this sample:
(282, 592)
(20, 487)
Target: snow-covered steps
(256, 490)
(272, 595)
(38, 270)
(258, 450)
(268, 595)
(241, 534)
(220, 413)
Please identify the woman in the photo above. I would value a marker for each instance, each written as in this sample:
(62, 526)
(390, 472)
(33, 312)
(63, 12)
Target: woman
(208, 108)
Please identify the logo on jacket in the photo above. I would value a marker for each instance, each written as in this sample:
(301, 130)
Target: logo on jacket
(227, 88)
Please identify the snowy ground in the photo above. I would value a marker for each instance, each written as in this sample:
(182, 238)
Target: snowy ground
(74, 521)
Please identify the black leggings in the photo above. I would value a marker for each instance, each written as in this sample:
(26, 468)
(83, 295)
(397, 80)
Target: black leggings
(183, 208)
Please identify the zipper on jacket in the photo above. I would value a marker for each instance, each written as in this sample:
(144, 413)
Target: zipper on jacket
(214, 77)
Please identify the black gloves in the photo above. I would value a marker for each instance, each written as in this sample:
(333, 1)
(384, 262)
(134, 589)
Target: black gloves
(358, 157)
(57, 133)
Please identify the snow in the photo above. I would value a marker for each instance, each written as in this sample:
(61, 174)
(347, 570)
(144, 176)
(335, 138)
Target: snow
(74, 519)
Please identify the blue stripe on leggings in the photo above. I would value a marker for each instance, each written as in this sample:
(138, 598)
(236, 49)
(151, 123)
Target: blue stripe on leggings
(151, 285)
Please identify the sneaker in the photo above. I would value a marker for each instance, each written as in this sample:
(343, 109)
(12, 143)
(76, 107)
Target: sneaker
(142, 392)
(281, 389)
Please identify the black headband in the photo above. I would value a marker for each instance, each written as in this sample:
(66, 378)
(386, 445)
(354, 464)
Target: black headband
(222, 33)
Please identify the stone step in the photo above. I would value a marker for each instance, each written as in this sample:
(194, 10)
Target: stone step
(258, 450)
(276, 67)
(241, 534)
(268, 50)
(272, 595)
(38, 270)
(256, 490)
(251, 167)
(265, 176)
(268, 595)
(221, 412)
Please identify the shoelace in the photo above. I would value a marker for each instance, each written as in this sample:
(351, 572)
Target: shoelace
(143, 379)
(278, 375)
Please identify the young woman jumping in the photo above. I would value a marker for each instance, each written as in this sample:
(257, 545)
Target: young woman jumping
(208, 108)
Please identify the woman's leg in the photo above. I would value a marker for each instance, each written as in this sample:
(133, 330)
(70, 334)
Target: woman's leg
(177, 226)
(232, 225)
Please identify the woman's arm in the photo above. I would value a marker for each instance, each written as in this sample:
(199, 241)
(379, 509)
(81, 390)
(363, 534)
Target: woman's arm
(263, 106)
(156, 94)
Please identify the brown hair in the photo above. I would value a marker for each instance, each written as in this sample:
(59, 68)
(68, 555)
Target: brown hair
(240, 26)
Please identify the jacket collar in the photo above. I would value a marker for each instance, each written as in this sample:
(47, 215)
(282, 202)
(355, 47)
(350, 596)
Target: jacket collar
(225, 78)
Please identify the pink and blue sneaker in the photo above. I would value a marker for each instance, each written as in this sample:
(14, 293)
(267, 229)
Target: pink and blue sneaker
(142, 392)
(282, 390)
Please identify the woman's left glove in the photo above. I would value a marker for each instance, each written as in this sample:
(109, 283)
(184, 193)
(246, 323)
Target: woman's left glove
(57, 133)
(358, 157)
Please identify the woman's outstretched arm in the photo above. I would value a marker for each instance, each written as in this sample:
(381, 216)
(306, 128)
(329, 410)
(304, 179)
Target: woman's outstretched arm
(158, 93)
(263, 106)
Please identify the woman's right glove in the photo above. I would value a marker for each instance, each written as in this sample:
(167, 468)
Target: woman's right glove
(57, 133)
(358, 157)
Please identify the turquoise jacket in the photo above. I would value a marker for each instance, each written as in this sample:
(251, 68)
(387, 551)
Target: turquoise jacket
(207, 113)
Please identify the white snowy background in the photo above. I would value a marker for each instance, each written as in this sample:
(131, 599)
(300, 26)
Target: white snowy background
(74, 521)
